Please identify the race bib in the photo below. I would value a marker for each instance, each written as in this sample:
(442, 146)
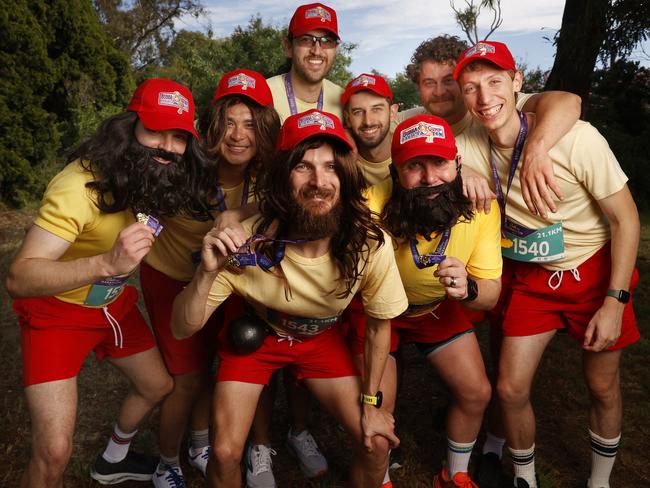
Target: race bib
(105, 291)
(300, 326)
(543, 245)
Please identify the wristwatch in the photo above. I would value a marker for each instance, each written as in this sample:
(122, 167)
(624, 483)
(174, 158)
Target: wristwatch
(621, 295)
(372, 400)
(472, 290)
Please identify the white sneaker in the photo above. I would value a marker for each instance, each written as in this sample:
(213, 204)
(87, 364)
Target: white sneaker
(304, 448)
(259, 472)
(198, 458)
(167, 476)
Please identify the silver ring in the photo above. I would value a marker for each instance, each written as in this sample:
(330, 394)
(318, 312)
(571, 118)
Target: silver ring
(452, 283)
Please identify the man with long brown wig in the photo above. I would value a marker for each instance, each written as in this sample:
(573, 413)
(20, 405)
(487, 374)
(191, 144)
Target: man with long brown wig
(240, 128)
(69, 277)
(313, 247)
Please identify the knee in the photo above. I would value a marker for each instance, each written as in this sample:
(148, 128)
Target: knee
(226, 455)
(475, 397)
(511, 393)
(604, 393)
(53, 455)
(188, 384)
(158, 389)
(378, 457)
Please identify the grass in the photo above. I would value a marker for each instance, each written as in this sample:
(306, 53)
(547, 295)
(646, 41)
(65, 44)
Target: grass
(560, 401)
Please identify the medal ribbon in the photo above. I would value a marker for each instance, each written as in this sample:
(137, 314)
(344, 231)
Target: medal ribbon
(221, 198)
(291, 98)
(436, 257)
(245, 257)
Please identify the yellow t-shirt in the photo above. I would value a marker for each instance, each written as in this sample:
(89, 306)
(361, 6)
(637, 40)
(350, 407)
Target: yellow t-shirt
(314, 284)
(586, 171)
(331, 98)
(374, 172)
(476, 243)
(459, 127)
(181, 237)
(68, 211)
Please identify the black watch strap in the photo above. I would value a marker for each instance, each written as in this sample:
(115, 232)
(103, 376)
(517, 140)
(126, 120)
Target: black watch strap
(472, 290)
(621, 295)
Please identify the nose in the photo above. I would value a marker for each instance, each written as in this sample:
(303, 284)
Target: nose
(430, 176)
(167, 142)
(481, 95)
(437, 90)
(317, 178)
(316, 48)
(237, 133)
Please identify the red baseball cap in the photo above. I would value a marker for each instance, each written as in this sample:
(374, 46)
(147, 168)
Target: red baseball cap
(311, 17)
(163, 104)
(244, 82)
(373, 83)
(311, 123)
(494, 52)
(422, 135)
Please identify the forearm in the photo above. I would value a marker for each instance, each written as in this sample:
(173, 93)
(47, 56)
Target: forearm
(377, 348)
(624, 248)
(32, 277)
(488, 294)
(556, 112)
(190, 310)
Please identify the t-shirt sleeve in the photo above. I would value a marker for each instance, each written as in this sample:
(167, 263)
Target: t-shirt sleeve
(67, 209)
(221, 289)
(378, 195)
(486, 262)
(381, 289)
(522, 98)
(594, 164)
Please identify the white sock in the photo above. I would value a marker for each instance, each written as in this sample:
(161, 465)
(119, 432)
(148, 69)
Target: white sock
(199, 439)
(458, 454)
(494, 444)
(118, 445)
(386, 475)
(523, 463)
(603, 455)
(174, 462)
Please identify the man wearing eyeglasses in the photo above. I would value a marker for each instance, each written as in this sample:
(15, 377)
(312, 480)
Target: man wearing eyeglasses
(311, 48)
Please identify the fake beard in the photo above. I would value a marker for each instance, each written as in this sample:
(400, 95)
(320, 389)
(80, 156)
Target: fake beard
(153, 186)
(306, 222)
(428, 216)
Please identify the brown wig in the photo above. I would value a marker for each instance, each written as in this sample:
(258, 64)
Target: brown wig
(124, 177)
(441, 49)
(350, 245)
(266, 123)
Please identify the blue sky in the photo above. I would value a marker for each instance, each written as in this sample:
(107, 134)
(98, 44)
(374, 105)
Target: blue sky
(388, 31)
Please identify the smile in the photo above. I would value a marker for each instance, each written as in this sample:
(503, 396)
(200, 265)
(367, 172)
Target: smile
(491, 111)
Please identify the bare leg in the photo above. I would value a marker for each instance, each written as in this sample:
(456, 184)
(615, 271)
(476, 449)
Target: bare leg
(602, 375)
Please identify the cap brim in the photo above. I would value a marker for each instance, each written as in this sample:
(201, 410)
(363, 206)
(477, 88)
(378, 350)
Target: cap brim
(153, 121)
(465, 61)
(438, 152)
(313, 28)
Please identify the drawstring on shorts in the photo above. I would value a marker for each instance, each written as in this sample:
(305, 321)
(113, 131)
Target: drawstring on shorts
(115, 325)
(558, 275)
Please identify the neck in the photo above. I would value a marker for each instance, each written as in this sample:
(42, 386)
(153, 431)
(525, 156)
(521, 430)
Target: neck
(506, 135)
(231, 175)
(312, 249)
(306, 91)
(377, 154)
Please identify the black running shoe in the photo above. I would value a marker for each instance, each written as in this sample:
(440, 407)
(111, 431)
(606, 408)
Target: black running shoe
(135, 466)
(490, 471)
(522, 483)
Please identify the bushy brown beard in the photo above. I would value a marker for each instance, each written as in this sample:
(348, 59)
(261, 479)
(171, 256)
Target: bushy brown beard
(410, 213)
(308, 224)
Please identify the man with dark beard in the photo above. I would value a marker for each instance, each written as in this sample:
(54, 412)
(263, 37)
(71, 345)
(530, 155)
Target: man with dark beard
(312, 248)
(448, 256)
(69, 277)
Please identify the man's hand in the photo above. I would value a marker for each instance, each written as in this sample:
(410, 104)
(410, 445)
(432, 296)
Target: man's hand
(604, 328)
(453, 276)
(218, 244)
(537, 178)
(477, 189)
(132, 244)
(377, 421)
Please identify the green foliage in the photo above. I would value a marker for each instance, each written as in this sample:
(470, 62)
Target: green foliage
(405, 93)
(56, 65)
(534, 78)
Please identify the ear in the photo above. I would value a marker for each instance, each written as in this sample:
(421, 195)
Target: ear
(517, 81)
(394, 108)
(346, 115)
(286, 46)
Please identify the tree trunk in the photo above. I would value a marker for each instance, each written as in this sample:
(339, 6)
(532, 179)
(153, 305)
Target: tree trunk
(581, 36)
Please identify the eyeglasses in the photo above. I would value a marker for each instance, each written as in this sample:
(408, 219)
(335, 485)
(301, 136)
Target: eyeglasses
(326, 42)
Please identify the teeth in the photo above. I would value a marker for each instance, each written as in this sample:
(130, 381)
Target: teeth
(491, 111)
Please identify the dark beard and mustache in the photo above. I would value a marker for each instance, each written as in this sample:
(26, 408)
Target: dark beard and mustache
(306, 224)
(154, 187)
(409, 213)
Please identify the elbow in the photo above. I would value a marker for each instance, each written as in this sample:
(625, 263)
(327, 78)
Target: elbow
(13, 284)
(574, 101)
(180, 330)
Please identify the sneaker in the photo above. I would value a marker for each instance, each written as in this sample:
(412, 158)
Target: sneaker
(259, 472)
(167, 476)
(304, 448)
(522, 483)
(490, 471)
(396, 458)
(460, 480)
(135, 466)
(198, 458)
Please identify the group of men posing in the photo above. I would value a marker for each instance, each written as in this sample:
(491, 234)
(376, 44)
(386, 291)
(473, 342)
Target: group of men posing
(343, 231)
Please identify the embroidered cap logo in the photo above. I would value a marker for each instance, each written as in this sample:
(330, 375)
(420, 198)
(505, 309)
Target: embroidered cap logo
(318, 12)
(422, 130)
(174, 99)
(316, 118)
(241, 79)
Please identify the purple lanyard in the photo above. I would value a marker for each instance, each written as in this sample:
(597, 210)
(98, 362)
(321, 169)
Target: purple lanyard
(514, 162)
(436, 257)
(245, 257)
(288, 86)
(221, 198)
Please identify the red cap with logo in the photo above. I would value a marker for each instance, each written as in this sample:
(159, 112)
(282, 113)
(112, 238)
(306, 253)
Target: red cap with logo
(313, 16)
(163, 104)
(247, 83)
(422, 135)
(373, 83)
(311, 123)
(494, 52)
